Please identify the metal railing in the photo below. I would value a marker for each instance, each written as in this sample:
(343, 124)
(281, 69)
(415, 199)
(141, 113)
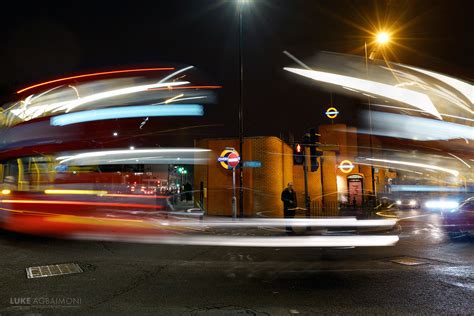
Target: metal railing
(329, 208)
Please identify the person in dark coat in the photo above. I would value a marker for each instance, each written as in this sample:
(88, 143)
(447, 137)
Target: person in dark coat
(288, 196)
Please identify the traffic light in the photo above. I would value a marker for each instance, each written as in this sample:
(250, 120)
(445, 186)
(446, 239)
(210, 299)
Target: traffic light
(314, 153)
(181, 170)
(298, 154)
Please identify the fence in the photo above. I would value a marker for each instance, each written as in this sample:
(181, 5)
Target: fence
(329, 208)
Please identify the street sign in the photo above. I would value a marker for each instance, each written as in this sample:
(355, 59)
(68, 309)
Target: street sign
(252, 164)
(229, 159)
(346, 166)
(233, 160)
(332, 112)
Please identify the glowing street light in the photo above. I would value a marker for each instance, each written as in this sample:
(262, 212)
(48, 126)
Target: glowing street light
(382, 38)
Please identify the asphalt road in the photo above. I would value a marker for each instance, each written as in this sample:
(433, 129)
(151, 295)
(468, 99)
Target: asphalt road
(125, 278)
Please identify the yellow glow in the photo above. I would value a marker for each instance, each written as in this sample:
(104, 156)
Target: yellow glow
(97, 221)
(382, 38)
(90, 192)
(6, 191)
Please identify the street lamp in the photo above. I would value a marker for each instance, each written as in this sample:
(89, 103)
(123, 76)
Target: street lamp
(381, 38)
(240, 4)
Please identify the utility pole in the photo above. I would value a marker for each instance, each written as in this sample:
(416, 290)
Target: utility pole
(307, 199)
(241, 117)
(370, 122)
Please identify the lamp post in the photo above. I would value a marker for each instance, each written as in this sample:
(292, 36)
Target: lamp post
(381, 38)
(240, 4)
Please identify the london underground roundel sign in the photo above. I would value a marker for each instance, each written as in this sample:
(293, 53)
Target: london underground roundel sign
(229, 159)
(346, 166)
(332, 112)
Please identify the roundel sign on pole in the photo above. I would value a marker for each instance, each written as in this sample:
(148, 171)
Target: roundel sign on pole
(229, 159)
(233, 159)
(332, 112)
(346, 166)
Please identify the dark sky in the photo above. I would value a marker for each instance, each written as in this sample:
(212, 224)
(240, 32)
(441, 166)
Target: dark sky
(45, 41)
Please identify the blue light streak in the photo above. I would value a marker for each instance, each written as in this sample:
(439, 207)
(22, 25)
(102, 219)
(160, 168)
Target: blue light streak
(128, 112)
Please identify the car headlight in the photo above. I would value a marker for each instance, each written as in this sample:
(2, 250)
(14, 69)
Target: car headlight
(398, 202)
(412, 202)
(442, 204)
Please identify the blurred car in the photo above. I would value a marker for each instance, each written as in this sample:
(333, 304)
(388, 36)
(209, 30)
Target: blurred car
(407, 203)
(62, 213)
(460, 220)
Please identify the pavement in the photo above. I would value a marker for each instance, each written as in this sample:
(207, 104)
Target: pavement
(437, 277)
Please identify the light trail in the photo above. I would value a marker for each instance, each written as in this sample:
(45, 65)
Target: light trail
(465, 163)
(416, 164)
(225, 241)
(413, 98)
(127, 112)
(421, 111)
(93, 75)
(277, 222)
(73, 192)
(105, 153)
(53, 202)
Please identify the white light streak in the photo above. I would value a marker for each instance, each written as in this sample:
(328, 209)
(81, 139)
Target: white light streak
(292, 242)
(420, 111)
(276, 222)
(442, 204)
(174, 98)
(412, 127)
(26, 112)
(175, 73)
(453, 155)
(128, 152)
(413, 98)
(416, 164)
(183, 99)
(117, 92)
(465, 88)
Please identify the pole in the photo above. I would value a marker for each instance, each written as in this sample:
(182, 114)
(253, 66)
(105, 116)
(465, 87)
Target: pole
(370, 122)
(168, 179)
(307, 200)
(234, 199)
(241, 118)
(305, 172)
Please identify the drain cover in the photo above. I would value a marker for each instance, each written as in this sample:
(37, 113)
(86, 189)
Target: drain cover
(52, 270)
(407, 261)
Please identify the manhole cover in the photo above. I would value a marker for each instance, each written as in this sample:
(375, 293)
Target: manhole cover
(52, 270)
(407, 261)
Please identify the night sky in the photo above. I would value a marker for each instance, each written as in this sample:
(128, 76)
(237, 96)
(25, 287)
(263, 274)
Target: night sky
(45, 41)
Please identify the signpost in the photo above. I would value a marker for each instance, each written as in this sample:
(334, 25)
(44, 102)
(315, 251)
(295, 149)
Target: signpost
(230, 159)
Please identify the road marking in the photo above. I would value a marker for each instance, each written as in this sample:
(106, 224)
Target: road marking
(416, 216)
